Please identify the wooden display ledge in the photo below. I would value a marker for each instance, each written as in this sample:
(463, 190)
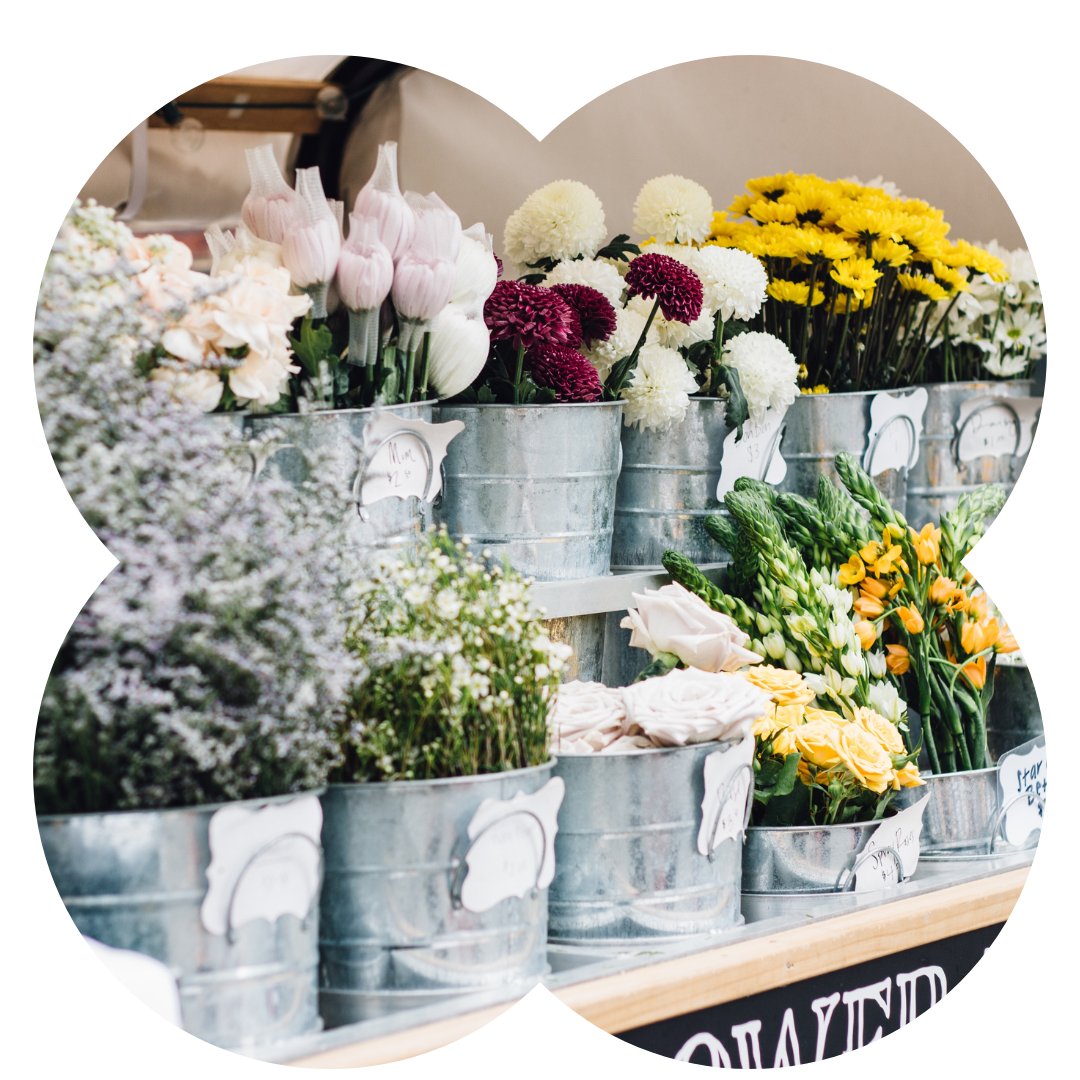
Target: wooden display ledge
(668, 988)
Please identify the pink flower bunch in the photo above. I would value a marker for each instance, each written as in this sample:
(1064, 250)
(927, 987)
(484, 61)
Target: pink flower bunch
(593, 309)
(531, 315)
(565, 371)
(677, 287)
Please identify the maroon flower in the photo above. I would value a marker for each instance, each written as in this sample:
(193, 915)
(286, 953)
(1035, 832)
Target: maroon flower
(565, 371)
(498, 264)
(677, 287)
(593, 309)
(531, 313)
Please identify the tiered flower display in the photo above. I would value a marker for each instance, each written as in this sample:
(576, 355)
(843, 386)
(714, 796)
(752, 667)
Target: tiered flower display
(867, 290)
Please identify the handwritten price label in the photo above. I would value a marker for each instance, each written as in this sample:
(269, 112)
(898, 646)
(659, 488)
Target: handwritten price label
(756, 454)
(1022, 772)
(727, 787)
(901, 833)
(896, 420)
(405, 458)
(996, 427)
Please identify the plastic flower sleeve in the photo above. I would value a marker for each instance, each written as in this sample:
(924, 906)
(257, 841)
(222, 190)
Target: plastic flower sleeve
(268, 206)
(381, 199)
(312, 241)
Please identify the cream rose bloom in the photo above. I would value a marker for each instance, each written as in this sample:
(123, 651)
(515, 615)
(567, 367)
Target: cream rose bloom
(586, 717)
(202, 388)
(692, 706)
(672, 619)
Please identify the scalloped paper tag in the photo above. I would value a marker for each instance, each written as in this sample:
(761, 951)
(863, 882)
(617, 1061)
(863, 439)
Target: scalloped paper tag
(756, 454)
(901, 833)
(1022, 771)
(896, 422)
(405, 457)
(727, 787)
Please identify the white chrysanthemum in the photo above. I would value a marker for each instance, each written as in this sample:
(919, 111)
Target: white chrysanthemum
(628, 327)
(767, 371)
(673, 208)
(733, 281)
(598, 274)
(675, 334)
(558, 221)
(658, 394)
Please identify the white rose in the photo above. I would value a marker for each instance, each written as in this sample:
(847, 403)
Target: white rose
(672, 619)
(692, 706)
(586, 717)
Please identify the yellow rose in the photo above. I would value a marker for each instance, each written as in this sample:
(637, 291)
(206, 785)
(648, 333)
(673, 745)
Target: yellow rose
(819, 743)
(784, 687)
(908, 776)
(784, 742)
(883, 730)
(866, 758)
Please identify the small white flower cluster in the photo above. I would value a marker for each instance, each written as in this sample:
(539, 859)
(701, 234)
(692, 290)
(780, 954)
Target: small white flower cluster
(457, 661)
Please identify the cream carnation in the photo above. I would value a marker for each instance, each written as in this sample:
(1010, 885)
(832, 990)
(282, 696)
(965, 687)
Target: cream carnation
(658, 394)
(628, 327)
(673, 208)
(596, 273)
(767, 371)
(558, 221)
(202, 388)
(734, 282)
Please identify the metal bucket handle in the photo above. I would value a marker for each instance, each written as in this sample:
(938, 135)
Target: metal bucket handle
(999, 819)
(849, 884)
(278, 447)
(994, 403)
(723, 799)
(229, 928)
(460, 865)
(868, 457)
(366, 459)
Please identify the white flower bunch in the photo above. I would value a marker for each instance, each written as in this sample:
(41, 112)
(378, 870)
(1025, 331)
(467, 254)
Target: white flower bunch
(768, 372)
(560, 221)
(658, 393)
(734, 282)
(598, 274)
(673, 209)
(459, 670)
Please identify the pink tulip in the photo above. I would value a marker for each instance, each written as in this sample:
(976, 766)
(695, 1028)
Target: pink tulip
(268, 207)
(312, 240)
(365, 269)
(380, 198)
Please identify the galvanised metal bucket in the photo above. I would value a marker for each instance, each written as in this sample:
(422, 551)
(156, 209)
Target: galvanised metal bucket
(627, 865)
(388, 523)
(964, 814)
(1014, 715)
(939, 477)
(136, 879)
(803, 858)
(820, 426)
(667, 488)
(536, 484)
(392, 935)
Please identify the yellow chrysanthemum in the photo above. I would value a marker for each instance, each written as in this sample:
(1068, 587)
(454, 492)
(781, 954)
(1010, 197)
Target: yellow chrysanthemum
(982, 262)
(741, 205)
(889, 251)
(772, 187)
(814, 203)
(821, 388)
(772, 241)
(793, 292)
(925, 238)
(868, 224)
(814, 245)
(950, 277)
(771, 211)
(856, 274)
(918, 208)
(927, 286)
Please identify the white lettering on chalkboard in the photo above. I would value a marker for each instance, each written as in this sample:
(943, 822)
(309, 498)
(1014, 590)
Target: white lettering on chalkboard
(856, 1023)
(1022, 771)
(748, 1032)
(788, 1039)
(908, 984)
(756, 454)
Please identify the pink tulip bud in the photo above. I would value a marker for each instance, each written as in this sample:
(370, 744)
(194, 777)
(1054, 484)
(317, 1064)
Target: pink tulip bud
(365, 269)
(312, 240)
(269, 205)
(424, 276)
(380, 198)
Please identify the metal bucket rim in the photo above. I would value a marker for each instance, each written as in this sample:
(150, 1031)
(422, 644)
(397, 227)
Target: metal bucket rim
(370, 410)
(856, 393)
(788, 829)
(442, 781)
(976, 383)
(200, 808)
(532, 408)
(960, 772)
(644, 751)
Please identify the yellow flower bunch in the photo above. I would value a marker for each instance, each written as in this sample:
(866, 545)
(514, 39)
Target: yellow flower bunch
(854, 272)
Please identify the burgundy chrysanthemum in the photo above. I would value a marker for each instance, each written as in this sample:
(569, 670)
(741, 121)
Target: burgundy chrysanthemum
(593, 309)
(677, 287)
(565, 371)
(498, 265)
(536, 315)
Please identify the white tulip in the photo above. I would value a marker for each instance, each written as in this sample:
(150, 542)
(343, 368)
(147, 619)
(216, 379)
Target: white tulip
(457, 351)
(477, 271)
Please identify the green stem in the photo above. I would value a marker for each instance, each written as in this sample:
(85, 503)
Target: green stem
(425, 362)
(519, 368)
(617, 377)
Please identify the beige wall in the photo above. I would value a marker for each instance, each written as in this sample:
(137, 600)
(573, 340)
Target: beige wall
(718, 121)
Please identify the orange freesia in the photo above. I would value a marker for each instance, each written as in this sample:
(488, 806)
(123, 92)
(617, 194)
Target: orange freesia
(960, 601)
(884, 565)
(866, 633)
(976, 636)
(912, 620)
(874, 588)
(927, 544)
(976, 672)
(968, 578)
(942, 589)
(869, 606)
(896, 588)
(898, 659)
(980, 605)
(853, 571)
(871, 553)
(1006, 643)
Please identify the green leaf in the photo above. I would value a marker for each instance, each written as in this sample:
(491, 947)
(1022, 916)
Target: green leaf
(788, 809)
(543, 396)
(661, 664)
(618, 248)
(738, 412)
(785, 782)
(314, 345)
(532, 279)
(485, 396)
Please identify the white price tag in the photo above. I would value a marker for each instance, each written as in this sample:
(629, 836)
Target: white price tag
(995, 427)
(405, 457)
(727, 787)
(264, 863)
(1022, 772)
(896, 421)
(901, 833)
(756, 454)
(512, 847)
